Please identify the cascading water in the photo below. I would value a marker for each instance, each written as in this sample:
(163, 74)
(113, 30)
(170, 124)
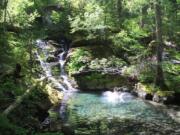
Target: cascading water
(68, 90)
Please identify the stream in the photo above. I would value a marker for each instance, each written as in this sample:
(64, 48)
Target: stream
(102, 113)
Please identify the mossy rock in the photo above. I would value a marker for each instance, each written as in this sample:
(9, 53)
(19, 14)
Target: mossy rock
(93, 57)
(165, 93)
(53, 114)
(144, 91)
(165, 97)
(56, 70)
(148, 88)
(101, 81)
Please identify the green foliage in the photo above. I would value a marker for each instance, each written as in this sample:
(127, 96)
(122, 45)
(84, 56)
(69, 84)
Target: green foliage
(134, 30)
(91, 20)
(127, 40)
(55, 16)
(8, 128)
(150, 88)
(129, 71)
(19, 16)
(135, 5)
(36, 102)
(110, 62)
(84, 59)
(171, 68)
(9, 86)
(79, 59)
(173, 82)
(49, 133)
(145, 73)
(146, 76)
(165, 93)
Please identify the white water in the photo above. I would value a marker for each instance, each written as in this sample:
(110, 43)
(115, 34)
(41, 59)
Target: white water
(117, 97)
(68, 90)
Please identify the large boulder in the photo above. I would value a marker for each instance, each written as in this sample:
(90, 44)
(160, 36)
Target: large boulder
(94, 80)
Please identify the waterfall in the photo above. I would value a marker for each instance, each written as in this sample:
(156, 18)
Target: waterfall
(68, 89)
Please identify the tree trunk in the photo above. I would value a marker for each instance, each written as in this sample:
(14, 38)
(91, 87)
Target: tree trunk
(143, 15)
(30, 55)
(5, 14)
(159, 80)
(119, 10)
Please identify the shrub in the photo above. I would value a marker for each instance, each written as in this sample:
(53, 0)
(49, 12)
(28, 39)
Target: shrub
(8, 128)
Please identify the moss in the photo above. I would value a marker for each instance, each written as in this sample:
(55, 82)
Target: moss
(54, 115)
(148, 88)
(165, 93)
(34, 108)
(151, 89)
(56, 70)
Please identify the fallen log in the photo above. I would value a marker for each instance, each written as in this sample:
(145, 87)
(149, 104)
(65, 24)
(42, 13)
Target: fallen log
(20, 99)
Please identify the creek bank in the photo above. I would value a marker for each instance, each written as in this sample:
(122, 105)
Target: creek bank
(172, 110)
(35, 108)
(148, 92)
(116, 126)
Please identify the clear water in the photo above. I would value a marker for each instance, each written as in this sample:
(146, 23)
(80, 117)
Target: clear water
(115, 113)
(112, 105)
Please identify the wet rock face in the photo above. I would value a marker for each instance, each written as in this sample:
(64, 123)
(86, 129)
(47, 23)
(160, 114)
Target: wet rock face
(100, 81)
(58, 51)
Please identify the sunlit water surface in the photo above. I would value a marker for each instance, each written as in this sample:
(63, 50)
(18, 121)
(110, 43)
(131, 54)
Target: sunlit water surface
(112, 104)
